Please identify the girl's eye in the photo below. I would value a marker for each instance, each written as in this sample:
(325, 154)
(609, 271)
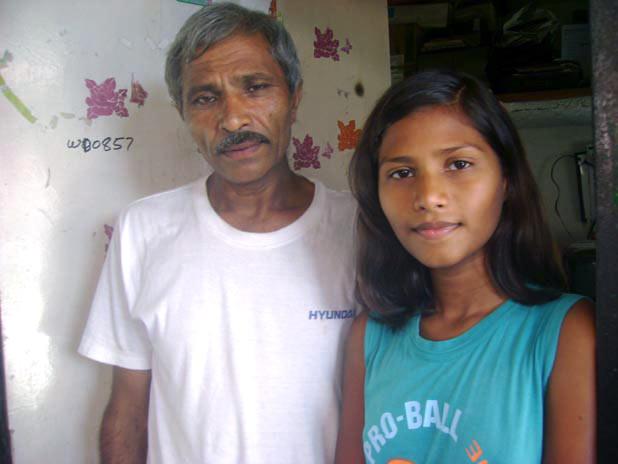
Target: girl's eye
(402, 173)
(459, 164)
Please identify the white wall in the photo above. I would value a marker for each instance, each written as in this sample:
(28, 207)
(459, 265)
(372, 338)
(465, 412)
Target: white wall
(329, 94)
(55, 201)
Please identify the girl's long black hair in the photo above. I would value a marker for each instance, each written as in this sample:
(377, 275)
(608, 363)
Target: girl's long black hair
(521, 255)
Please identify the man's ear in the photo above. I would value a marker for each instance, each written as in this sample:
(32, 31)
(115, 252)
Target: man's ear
(178, 107)
(296, 98)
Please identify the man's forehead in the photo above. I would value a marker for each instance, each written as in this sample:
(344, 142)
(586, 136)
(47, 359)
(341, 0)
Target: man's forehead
(238, 54)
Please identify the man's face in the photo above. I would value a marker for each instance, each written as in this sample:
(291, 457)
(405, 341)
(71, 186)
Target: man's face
(239, 110)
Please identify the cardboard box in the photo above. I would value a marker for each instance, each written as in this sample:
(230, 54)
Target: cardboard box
(405, 39)
(576, 46)
(432, 15)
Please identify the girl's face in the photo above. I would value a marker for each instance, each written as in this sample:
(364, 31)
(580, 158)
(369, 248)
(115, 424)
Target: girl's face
(440, 186)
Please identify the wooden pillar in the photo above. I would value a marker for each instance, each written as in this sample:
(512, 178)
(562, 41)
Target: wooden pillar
(604, 35)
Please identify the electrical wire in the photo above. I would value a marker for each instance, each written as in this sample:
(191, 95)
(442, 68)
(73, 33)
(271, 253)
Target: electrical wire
(555, 182)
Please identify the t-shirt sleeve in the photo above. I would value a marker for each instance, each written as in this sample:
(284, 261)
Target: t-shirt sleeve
(113, 335)
(548, 333)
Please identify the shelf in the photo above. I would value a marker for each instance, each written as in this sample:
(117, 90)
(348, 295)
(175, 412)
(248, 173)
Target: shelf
(551, 109)
(559, 94)
(408, 2)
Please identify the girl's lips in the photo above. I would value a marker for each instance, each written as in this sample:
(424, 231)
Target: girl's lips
(435, 230)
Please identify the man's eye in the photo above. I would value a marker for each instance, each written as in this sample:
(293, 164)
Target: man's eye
(459, 164)
(402, 173)
(205, 100)
(256, 87)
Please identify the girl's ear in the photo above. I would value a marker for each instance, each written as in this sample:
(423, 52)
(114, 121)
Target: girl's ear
(505, 187)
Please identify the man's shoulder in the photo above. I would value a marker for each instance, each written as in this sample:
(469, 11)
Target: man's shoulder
(337, 213)
(161, 209)
(162, 203)
(340, 201)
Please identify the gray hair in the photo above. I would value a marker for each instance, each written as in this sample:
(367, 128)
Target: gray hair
(214, 23)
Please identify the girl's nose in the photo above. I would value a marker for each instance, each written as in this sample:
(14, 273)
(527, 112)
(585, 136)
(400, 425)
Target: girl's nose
(429, 192)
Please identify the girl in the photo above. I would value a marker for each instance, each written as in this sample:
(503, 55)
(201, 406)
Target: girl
(469, 353)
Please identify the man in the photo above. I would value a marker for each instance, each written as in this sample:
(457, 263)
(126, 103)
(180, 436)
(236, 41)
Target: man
(223, 304)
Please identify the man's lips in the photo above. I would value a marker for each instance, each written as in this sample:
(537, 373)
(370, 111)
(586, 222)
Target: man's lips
(241, 146)
(434, 230)
(240, 142)
(245, 148)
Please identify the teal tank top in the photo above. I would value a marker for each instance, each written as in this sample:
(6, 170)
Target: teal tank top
(476, 398)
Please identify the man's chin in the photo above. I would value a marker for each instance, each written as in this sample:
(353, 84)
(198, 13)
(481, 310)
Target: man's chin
(245, 177)
(249, 171)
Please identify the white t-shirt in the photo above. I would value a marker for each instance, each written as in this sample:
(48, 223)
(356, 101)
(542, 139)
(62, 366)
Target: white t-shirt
(243, 331)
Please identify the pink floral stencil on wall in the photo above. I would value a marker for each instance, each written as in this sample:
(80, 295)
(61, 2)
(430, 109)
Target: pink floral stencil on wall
(328, 151)
(105, 100)
(348, 46)
(109, 230)
(306, 154)
(138, 94)
(325, 45)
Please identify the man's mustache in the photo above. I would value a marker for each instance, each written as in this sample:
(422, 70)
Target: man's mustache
(236, 138)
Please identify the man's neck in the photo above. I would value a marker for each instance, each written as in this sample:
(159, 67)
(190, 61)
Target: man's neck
(262, 206)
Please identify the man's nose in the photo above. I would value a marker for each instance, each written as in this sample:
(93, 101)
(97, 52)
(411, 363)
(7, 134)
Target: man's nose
(430, 192)
(235, 114)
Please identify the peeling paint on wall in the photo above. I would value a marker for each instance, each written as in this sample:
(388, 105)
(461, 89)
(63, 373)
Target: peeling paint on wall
(8, 93)
(108, 230)
(138, 94)
(328, 151)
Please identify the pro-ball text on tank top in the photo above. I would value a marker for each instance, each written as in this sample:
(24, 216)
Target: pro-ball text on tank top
(416, 415)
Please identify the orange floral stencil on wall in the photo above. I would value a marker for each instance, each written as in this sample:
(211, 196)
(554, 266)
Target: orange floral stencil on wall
(348, 135)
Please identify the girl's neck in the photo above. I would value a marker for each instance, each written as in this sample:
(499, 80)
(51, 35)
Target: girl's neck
(463, 296)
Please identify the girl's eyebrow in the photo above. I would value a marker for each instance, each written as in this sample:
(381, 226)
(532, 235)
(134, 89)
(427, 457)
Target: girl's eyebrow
(395, 159)
(449, 150)
(441, 152)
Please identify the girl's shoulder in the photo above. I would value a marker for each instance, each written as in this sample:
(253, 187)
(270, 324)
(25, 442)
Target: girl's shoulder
(551, 312)
(378, 336)
(578, 323)
(565, 301)
(357, 330)
(547, 326)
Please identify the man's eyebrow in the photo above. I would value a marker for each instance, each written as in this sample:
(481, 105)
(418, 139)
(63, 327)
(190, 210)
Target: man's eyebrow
(258, 76)
(202, 88)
